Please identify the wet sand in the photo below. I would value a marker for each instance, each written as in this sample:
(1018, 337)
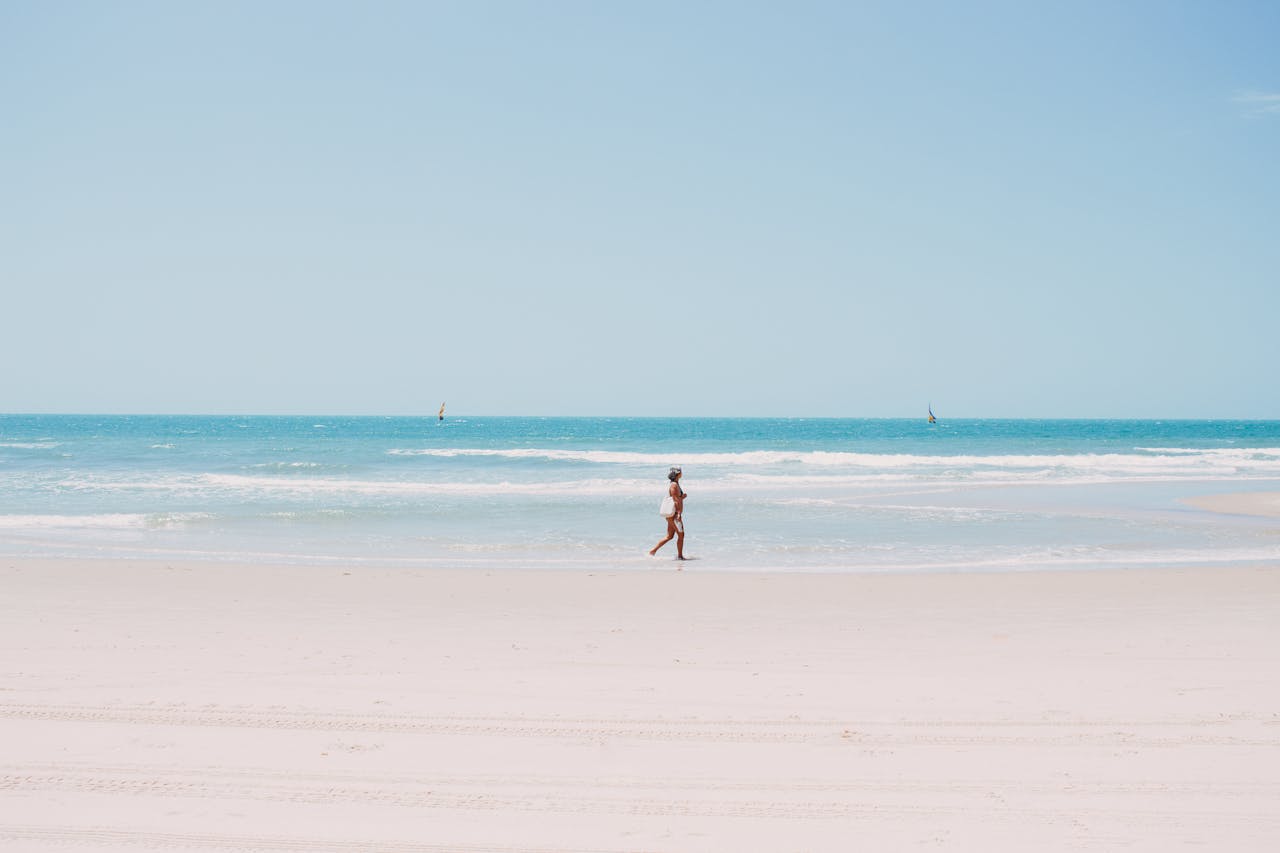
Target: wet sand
(1240, 503)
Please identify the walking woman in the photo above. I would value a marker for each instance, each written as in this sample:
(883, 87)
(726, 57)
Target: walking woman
(673, 511)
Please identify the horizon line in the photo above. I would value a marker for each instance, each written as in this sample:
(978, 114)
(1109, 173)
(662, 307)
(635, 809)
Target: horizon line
(433, 416)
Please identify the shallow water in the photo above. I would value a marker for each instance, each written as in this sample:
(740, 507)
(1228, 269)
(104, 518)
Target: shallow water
(822, 494)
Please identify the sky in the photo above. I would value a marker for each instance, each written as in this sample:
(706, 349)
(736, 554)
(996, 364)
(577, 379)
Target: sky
(654, 209)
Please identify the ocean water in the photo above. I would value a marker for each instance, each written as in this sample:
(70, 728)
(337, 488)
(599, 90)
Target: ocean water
(790, 494)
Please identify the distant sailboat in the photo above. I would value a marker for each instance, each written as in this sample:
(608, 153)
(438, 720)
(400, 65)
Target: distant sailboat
(932, 419)
(440, 414)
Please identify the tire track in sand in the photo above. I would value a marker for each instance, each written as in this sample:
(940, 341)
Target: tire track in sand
(871, 733)
(104, 837)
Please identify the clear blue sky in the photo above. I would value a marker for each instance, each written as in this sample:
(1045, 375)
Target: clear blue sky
(820, 209)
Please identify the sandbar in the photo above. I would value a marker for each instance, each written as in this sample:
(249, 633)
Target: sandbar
(1240, 503)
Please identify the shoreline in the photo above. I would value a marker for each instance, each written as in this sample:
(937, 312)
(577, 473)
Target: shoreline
(242, 707)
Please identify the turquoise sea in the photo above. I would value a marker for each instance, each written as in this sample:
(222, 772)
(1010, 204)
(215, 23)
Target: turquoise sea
(791, 494)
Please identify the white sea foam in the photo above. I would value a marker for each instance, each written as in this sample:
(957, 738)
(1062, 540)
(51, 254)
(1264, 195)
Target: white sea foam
(100, 521)
(31, 445)
(1196, 451)
(1176, 461)
(756, 457)
(288, 465)
(820, 483)
(325, 485)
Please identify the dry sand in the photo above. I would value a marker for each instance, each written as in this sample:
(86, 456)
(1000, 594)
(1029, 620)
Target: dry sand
(264, 708)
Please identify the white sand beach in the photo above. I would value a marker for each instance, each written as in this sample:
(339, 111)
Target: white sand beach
(218, 707)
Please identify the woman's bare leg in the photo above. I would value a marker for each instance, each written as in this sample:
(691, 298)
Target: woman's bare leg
(671, 532)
